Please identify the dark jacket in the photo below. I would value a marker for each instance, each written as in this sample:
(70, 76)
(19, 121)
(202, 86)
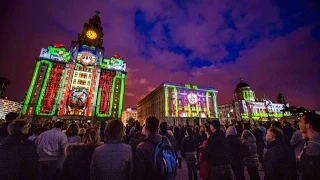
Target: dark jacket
(144, 159)
(202, 137)
(189, 144)
(18, 158)
(236, 149)
(280, 162)
(251, 157)
(309, 164)
(77, 163)
(259, 140)
(3, 130)
(288, 131)
(179, 138)
(217, 150)
(134, 142)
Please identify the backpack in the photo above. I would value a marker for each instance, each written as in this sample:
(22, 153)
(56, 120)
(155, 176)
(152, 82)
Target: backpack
(165, 161)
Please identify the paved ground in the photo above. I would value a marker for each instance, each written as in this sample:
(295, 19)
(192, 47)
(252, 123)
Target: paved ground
(183, 173)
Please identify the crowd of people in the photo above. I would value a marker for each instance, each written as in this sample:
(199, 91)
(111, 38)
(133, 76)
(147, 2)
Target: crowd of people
(156, 150)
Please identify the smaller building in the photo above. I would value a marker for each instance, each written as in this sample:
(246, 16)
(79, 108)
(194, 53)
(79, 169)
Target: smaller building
(248, 107)
(7, 106)
(226, 113)
(129, 113)
(178, 103)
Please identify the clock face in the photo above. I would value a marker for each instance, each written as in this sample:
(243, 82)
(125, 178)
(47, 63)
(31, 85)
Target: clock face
(79, 96)
(91, 34)
(192, 98)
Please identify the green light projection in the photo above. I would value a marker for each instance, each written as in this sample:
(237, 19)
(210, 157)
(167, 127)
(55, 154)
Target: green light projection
(29, 93)
(111, 98)
(113, 64)
(175, 99)
(121, 95)
(247, 95)
(59, 51)
(264, 115)
(187, 107)
(43, 88)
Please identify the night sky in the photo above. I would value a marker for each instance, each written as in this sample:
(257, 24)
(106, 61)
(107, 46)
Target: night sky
(273, 45)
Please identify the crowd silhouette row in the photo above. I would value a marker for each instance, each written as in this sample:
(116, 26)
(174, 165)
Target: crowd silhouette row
(56, 150)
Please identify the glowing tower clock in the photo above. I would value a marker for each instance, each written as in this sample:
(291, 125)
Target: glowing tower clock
(91, 34)
(192, 98)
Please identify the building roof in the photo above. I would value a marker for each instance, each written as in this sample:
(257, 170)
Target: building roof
(181, 85)
(242, 84)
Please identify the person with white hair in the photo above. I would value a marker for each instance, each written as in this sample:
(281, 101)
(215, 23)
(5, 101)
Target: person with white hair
(236, 152)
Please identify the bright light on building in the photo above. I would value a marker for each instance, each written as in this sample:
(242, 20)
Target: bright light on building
(129, 113)
(7, 106)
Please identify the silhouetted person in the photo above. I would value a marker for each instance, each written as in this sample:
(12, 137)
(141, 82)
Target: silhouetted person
(217, 154)
(4, 126)
(280, 161)
(18, 156)
(310, 158)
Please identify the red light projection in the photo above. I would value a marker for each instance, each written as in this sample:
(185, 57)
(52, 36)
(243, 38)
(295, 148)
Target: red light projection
(52, 88)
(106, 87)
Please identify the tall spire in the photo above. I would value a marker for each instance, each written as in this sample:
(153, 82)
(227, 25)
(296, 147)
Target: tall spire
(92, 33)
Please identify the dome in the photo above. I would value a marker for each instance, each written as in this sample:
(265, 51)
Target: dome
(242, 84)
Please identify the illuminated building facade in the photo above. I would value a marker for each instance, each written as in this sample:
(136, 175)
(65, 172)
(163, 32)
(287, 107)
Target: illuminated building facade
(7, 106)
(78, 82)
(129, 113)
(226, 113)
(248, 107)
(176, 103)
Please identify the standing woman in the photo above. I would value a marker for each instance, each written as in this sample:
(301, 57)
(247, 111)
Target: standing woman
(77, 163)
(113, 160)
(251, 158)
(72, 133)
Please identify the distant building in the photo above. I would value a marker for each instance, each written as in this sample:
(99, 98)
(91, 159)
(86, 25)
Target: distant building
(129, 113)
(178, 103)
(248, 107)
(299, 111)
(7, 106)
(281, 99)
(226, 113)
(4, 83)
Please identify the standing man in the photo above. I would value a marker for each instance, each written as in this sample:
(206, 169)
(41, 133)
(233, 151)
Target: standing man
(50, 146)
(217, 154)
(310, 158)
(152, 149)
(189, 152)
(280, 162)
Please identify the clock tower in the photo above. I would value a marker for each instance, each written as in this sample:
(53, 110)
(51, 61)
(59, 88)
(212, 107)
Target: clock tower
(92, 32)
(80, 82)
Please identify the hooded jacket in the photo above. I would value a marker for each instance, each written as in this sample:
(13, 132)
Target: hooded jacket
(235, 145)
(251, 157)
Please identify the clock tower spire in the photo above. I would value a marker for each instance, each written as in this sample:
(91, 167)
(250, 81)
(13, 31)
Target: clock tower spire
(92, 33)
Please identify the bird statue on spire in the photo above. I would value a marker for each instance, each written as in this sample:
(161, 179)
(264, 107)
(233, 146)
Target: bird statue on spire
(97, 12)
